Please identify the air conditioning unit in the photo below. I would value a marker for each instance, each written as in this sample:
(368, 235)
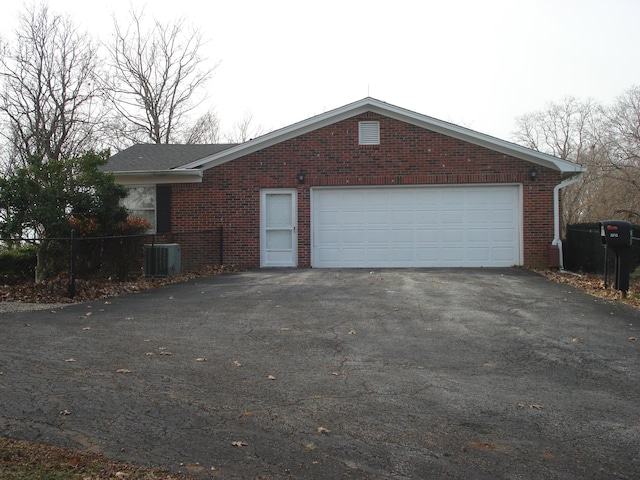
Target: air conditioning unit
(162, 260)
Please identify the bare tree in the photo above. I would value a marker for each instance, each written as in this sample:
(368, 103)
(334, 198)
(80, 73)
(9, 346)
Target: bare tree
(569, 130)
(244, 130)
(606, 140)
(50, 103)
(622, 143)
(206, 129)
(562, 129)
(157, 73)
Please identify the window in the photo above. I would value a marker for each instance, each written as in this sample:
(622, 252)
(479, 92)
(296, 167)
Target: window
(369, 133)
(141, 202)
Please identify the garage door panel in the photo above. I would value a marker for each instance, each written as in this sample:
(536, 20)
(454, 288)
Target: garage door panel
(354, 237)
(402, 255)
(428, 236)
(416, 226)
(502, 235)
(481, 254)
(503, 254)
(399, 236)
(377, 217)
(449, 235)
(452, 216)
(478, 235)
(402, 217)
(378, 236)
(350, 217)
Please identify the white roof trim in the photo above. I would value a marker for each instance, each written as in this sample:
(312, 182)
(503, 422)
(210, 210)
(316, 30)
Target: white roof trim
(158, 177)
(369, 104)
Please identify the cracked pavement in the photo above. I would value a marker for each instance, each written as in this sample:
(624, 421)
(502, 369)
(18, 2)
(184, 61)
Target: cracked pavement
(469, 373)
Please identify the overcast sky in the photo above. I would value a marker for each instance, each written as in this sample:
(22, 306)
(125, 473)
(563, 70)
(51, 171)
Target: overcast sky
(476, 63)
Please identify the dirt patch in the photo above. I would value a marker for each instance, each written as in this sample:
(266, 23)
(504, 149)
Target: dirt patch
(21, 460)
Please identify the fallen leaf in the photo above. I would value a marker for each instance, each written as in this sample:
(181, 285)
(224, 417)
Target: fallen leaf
(107, 302)
(535, 407)
(70, 360)
(150, 354)
(201, 359)
(239, 444)
(575, 340)
(65, 412)
(285, 329)
(236, 363)
(633, 338)
(123, 370)
(171, 297)
(309, 446)
(164, 352)
(324, 431)
(352, 331)
(121, 475)
(86, 328)
(335, 374)
(271, 377)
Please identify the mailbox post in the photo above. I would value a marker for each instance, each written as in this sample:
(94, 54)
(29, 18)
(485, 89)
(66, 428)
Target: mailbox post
(617, 235)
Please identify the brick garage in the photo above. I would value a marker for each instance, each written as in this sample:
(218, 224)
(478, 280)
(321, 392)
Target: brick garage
(407, 160)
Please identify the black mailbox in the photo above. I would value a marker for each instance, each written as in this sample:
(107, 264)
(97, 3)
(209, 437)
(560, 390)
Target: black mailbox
(616, 233)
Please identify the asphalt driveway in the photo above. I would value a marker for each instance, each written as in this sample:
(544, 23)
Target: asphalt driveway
(336, 374)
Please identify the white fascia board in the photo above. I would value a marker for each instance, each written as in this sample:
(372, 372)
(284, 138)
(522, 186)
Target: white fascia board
(158, 177)
(487, 141)
(376, 106)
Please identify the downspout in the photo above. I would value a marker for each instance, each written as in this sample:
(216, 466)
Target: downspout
(556, 215)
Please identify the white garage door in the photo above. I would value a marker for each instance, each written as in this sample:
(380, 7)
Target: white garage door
(467, 226)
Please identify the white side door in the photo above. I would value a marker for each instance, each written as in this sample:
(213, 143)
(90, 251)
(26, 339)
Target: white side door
(278, 228)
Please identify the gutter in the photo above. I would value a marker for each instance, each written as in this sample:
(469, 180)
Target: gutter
(158, 176)
(556, 215)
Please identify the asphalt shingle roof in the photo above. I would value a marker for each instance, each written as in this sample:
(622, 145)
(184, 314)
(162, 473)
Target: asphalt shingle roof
(150, 157)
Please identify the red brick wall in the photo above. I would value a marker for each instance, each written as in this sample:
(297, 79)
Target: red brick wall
(229, 195)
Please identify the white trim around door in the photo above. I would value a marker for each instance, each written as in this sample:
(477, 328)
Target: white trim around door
(278, 227)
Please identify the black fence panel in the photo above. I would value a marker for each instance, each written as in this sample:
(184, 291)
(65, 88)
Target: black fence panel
(583, 250)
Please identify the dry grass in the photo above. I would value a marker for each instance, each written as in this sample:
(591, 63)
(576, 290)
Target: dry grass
(20, 460)
(594, 285)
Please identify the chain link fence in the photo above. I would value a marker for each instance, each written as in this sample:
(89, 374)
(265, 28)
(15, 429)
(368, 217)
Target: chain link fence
(118, 258)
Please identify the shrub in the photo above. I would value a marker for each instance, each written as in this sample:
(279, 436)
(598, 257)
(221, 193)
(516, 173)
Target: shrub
(17, 265)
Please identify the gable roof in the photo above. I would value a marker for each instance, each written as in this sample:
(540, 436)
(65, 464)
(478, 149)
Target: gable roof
(368, 104)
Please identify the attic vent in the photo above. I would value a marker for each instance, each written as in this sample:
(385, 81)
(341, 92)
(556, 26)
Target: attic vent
(369, 133)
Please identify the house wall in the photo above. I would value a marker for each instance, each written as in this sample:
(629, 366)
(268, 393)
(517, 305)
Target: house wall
(229, 195)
